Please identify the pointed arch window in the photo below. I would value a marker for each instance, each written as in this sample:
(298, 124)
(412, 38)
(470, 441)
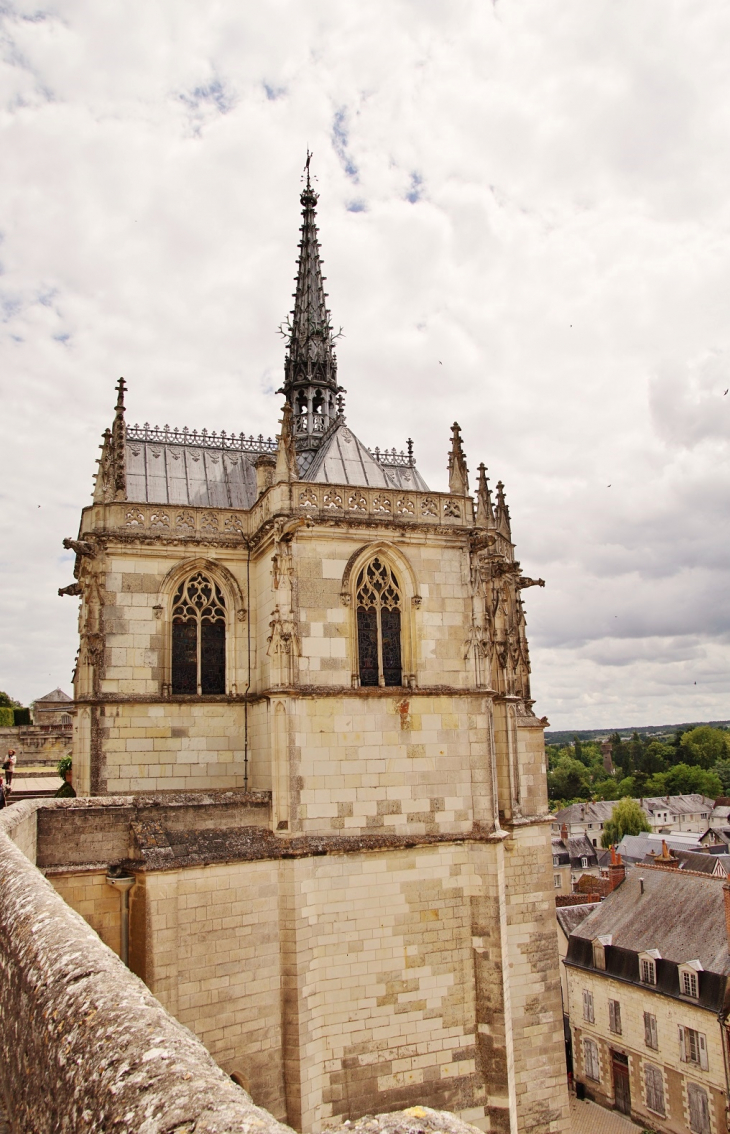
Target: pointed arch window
(198, 637)
(379, 625)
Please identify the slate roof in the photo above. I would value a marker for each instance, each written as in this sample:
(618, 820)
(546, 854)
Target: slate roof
(570, 917)
(343, 459)
(635, 848)
(201, 470)
(681, 915)
(55, 695)
(572, 850)
(700, 861)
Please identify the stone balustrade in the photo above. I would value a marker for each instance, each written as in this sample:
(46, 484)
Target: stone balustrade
(320, 501)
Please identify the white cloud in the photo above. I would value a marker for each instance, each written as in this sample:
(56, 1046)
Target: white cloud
(534, 196)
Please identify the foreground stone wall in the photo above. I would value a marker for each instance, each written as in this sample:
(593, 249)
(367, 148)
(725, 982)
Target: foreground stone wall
(85, 1046)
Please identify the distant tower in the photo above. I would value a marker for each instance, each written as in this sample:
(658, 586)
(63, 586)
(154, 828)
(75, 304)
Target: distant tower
(310, 383)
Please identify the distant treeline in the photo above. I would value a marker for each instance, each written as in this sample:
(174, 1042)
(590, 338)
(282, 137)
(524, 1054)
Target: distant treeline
(691, 759)
(568, 735)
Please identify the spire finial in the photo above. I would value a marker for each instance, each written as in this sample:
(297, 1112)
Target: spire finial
(458, 472)
(485, 511)
(501, 513)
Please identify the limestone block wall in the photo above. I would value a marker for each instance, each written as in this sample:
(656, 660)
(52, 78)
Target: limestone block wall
(670, 1014)
(411, 764)
(180, 746)
(212, 957)
(87, 892)
(37, 744)
(432, 571)
(379, 960)
(534, 1011)
(139, 585)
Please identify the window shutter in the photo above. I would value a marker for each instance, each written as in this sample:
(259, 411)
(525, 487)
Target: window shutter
(612, 1015)
(617, 1016)
(682, 1048)
(654, 1035)
(647, 1029)
(703, 1051)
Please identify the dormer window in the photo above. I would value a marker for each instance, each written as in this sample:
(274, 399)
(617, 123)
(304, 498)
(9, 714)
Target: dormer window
(556, 860)
(599, 950)
(584, 862)
(689, 979)
(647, 966)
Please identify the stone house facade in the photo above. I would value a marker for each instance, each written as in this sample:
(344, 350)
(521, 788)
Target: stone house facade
(302, 629)
(648, 1000)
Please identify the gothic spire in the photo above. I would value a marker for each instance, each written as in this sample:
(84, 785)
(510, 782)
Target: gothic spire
(502, 513)
(310, 367)
(458, 472)
(111, 479)
(286, 458)
(485, 511)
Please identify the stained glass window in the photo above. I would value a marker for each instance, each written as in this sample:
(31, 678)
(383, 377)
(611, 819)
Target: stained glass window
(379, 625)
(198, 637)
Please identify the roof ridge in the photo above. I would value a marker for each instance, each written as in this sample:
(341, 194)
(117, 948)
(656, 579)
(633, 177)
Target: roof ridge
(679, 873)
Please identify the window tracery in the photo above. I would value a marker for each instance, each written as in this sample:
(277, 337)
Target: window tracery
(198, 637)
(379, 625)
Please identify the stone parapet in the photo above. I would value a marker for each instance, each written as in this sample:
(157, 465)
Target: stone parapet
(106, 1052)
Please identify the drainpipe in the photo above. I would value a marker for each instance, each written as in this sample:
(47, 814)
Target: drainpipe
(123, 883)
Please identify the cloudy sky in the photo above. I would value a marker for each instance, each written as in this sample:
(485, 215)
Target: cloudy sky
(525, 218)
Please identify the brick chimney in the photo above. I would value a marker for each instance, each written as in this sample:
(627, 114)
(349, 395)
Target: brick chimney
(666, 858)
(564, 832)
(616, 870)
(726, 896)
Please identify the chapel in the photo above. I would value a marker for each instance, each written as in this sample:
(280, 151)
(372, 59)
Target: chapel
(305, 675)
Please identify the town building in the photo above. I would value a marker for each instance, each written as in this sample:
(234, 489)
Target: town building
(52, 709)
(671, 813)
(647, 978)
(303, 707)
(572, 857)
(49, 738)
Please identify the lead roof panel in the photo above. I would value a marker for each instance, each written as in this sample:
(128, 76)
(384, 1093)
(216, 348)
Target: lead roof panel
(201, 477)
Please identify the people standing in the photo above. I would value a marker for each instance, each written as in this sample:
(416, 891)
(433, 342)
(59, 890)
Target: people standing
(8, 767)
(2, 793)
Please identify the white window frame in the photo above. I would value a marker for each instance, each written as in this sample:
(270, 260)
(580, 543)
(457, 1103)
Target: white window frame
(651, 1035)
(647, 970)
(689, 980)
(589, 1014)
(591, 1060)
(584, 863)
(557, 881)
(693, 1047)
(653, 1074)
(690, 984)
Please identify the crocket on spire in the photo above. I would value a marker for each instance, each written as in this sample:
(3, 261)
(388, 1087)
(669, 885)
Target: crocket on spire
(310, 367)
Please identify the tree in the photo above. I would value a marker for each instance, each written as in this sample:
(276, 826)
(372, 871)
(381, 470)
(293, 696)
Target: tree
(569, 780)
(722, 771)
(627, 818)
(704, 746)
(7, 702)
(683, 780)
